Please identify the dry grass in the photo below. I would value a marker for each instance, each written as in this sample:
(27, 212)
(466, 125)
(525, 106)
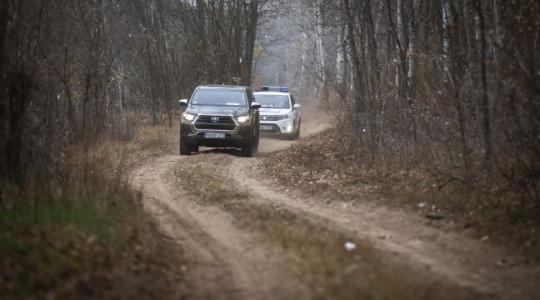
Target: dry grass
(124, 155)
(85, 234)
(318, 166)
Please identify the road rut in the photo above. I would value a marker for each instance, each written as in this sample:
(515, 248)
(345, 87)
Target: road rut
(229, 261)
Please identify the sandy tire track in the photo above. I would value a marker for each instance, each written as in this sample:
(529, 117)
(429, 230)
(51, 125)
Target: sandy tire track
(224, 262)
(405, 238)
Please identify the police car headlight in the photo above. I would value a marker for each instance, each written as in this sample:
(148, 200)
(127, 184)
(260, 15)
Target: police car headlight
(243, 119)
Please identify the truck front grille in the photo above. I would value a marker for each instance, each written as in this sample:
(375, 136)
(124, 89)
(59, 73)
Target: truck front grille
(270, 118)
(215, 123)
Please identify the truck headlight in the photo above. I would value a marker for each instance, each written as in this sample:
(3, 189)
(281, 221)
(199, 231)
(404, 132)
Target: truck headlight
(243, 119)
(188, 117)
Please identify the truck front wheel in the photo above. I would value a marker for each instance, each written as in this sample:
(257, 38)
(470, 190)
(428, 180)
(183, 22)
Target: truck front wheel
(184, 149)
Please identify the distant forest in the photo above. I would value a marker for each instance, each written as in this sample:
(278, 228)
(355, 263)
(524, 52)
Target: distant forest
(451, 85)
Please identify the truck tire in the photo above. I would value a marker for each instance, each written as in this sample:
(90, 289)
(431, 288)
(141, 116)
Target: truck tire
(184, 149)
(251, 149)
(247, 151)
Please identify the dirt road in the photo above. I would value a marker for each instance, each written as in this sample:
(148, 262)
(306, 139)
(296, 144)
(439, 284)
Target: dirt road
(244, 238)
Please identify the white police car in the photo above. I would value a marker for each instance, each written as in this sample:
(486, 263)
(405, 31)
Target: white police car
(279, 114)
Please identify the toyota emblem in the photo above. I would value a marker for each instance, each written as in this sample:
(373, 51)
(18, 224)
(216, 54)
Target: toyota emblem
(214, 119)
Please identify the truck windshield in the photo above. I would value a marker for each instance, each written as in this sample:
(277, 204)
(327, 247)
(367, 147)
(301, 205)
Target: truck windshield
(273, 101)
(219, 97)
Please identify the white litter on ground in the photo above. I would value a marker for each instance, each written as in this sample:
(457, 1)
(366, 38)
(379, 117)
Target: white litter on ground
(350, 246)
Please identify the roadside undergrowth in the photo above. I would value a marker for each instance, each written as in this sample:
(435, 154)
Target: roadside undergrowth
(318, 166)
(316, 252)
(84, 234)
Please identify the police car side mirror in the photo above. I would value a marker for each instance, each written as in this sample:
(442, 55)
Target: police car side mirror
(255, 105)
(183, 102)
(296, 106)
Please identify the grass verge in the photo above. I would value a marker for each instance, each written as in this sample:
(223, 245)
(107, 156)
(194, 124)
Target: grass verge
(85, 235)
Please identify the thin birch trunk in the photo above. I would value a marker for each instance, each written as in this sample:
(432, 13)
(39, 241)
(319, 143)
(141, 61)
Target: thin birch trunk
(446, 23)
(484, 105)
(411, 64)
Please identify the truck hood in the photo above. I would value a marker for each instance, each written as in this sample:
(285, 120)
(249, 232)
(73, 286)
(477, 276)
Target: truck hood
(217, 110)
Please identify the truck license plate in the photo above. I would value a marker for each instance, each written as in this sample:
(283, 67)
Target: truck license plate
(214, 135)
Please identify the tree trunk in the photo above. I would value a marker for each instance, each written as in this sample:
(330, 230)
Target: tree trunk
(411, 64)
(18, 95)
(321, 61)
(355, 60)
(340, 59)
(485, 110)
(446, 23)
(252, 19)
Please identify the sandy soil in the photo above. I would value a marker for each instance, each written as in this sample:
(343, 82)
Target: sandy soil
(465, 262)
(225, 261)
(228, 261)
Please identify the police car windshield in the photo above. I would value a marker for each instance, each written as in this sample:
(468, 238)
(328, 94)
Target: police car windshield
(219, 97)
(273, 101)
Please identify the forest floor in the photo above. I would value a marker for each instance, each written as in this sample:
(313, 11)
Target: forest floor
(245, 233)
(87, 238)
